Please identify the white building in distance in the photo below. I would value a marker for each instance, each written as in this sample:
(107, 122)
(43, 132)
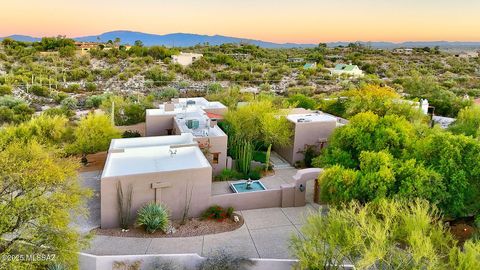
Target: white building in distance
(186, 59)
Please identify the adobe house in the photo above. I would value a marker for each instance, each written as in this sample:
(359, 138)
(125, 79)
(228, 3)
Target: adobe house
(176, 162)
(186, 59)
(195, 116)
(310, 128)
(157, 169)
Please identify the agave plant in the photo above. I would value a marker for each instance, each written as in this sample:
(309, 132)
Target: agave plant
(153, 217)
(56, 266)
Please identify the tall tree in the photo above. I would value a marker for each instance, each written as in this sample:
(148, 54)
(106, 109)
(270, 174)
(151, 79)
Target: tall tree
(39, 194)
(93, 134)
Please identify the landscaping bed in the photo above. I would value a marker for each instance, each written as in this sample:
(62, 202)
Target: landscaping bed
(193, 227)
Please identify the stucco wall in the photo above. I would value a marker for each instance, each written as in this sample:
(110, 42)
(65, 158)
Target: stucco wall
(307, 133)
(249, 200)
(172, 197)
(157, 125)
(140, 128)
(187, 261)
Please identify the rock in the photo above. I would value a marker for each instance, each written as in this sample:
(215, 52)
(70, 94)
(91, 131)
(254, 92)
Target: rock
(236, 219)
(171, 230)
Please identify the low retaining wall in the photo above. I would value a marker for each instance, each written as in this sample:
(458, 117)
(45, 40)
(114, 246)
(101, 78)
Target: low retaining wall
(289, 195)
(249, 200)
(188, 261)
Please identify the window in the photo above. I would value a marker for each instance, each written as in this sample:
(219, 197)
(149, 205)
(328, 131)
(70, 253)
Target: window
(215, 158)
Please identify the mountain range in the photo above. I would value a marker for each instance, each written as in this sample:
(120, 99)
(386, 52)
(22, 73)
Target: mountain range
(186, 40)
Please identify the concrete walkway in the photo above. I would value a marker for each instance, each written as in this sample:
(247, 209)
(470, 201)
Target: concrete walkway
(265, 234)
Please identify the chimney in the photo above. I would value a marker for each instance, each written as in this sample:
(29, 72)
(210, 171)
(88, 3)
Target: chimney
(213, 123)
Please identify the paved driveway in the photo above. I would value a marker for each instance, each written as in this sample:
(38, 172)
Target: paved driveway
(265, 234)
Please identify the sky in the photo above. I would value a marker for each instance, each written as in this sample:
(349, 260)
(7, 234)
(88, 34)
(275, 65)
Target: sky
(301, 21)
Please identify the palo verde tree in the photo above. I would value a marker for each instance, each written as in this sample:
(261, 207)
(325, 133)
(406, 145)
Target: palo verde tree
(259, 122)
(93, 134)
(468, 122)
(386, 234)
(39, 195)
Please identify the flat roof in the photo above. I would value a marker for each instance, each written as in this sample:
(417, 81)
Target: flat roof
(142, 160)
(311, 117)
(119, 144)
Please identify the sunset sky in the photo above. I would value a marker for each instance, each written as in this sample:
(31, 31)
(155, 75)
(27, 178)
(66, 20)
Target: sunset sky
(305, 21)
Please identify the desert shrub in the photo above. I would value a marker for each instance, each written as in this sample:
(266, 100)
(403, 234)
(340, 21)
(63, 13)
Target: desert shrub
(90, 86)
(217, 213)
(73, 88)
(131, 134)
(260, 156)
(56, 266)
(153, 217)
(166, 265)
(222, 260)
(255, 173)
(228, 174)
(5, 90)
(40, 90)
(94, 101)
(165, 94)
(70, 103)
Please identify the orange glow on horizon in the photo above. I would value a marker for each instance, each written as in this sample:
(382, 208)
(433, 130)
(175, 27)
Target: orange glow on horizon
(302, 21)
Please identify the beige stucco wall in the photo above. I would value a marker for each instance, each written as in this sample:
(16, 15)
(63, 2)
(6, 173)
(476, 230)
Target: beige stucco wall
(307, 133)
(157, 125)
(172, 197)
(249, 200)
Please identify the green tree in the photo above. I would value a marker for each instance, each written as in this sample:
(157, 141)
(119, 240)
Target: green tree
(40, 195)
(258, 122)
(47, 130)
(468, 122)
(367, 132)
(93, 134)
(387, 234)
(302, 101)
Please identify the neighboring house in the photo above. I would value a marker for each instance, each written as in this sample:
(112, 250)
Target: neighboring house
(469, 54)
(296, 60)
(196, 116)
(310, 65)
(186, 59)
(350, 70)
(311, 128)
(85, 47)
(403, 51)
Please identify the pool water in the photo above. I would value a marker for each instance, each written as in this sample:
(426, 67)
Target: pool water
(240, 187)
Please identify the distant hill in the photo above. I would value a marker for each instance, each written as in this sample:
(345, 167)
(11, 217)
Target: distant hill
(186, 40)
(22, 38)
(183, 40)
